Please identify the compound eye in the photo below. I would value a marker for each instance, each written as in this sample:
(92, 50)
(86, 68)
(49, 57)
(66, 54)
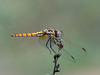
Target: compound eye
(58, 33)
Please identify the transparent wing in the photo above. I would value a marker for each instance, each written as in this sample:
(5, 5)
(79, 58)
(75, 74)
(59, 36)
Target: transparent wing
(73, 48)
(67, 55)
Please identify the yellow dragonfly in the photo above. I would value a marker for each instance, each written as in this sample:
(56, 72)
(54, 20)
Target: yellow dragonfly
(53, 41)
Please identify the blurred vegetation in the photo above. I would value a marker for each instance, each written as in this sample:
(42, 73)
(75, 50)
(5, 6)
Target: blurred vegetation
(79, 20)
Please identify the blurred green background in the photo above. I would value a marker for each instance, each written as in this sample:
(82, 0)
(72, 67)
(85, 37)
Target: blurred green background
(79, 20)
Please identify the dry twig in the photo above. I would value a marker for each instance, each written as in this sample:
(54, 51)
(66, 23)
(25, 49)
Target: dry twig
(56, 66)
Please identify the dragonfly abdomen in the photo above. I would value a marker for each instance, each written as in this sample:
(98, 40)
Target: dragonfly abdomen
(25, 34)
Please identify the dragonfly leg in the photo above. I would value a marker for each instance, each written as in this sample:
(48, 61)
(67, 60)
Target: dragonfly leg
(47, 46)
(52, 48)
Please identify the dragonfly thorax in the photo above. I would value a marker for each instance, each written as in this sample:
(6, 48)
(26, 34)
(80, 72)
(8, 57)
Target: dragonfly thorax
(49, 32)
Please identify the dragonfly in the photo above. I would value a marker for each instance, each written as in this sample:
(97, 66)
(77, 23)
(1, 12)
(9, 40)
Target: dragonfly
(53, 40)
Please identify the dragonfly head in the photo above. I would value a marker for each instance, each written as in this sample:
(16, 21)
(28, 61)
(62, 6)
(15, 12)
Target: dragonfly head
(58, 33)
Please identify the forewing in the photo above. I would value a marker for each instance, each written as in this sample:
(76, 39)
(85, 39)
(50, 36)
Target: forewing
(65, 54)
(73, 48)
